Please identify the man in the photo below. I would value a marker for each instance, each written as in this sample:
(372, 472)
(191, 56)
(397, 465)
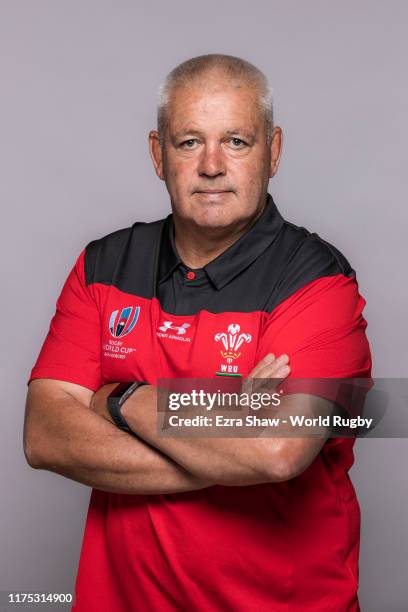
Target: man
(204, 523)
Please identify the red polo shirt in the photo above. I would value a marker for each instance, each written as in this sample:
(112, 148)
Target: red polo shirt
(131, 310)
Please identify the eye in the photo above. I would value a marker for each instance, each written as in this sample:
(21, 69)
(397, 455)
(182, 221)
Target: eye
(188, 144)
(237, 143)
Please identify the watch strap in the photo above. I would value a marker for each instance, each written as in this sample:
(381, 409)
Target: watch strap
(116, 400)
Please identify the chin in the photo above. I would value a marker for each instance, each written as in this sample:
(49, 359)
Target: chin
(213, 218)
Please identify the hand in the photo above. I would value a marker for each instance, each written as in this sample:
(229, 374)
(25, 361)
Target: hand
(268, 368)
(263, 379)
(99, 401)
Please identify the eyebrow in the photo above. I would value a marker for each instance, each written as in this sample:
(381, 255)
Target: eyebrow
(186, 132)
(249, 135)
(237, 131)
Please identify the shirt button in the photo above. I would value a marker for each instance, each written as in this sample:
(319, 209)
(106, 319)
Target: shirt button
(190, 275)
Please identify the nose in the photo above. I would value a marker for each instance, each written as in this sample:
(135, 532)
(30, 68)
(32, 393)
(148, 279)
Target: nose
(212, 162)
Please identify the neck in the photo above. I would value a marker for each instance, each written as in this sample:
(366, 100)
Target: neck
(197, 246)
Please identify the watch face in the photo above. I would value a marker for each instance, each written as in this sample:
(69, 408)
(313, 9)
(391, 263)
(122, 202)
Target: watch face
(120, 389)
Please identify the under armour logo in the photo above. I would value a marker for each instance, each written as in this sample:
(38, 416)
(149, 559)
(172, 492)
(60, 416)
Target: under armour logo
(180, 329)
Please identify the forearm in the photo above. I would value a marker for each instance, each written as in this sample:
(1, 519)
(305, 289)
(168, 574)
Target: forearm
(73, 441)
(243, 461)
(227, 461)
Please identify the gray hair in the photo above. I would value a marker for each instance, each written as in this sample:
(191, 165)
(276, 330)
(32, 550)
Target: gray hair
(234, 67)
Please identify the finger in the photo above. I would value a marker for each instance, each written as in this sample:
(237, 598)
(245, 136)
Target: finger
(267, 378)
(271, 369)
(282, 372)
(267, 360)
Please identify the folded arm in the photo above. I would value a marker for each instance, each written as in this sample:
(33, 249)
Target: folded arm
(228, 461)
(64, 435)
(233, 461)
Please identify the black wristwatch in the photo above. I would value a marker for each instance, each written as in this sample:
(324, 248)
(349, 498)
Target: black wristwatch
(116, 400)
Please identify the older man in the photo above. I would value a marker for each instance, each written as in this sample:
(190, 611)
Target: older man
(204, 523)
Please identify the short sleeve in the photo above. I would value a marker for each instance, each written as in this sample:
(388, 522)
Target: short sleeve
(72, 347)
(322, 329)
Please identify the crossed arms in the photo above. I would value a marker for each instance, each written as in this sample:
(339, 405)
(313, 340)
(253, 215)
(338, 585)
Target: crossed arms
(67, 430)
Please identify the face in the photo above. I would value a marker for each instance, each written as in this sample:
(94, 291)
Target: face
(215, 158)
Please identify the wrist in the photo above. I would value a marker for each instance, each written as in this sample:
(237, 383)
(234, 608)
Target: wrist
(141, 397)
(120, 395)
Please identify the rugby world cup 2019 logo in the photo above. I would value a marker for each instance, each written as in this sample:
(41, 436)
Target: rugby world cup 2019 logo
(122, 325)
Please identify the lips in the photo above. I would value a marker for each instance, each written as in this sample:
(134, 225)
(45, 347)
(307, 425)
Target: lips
(213, 191)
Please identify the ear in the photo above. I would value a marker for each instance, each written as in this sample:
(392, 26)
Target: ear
(156, 153)
(276, 149)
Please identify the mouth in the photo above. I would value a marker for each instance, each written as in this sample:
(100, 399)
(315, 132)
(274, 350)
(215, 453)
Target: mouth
(212, 191)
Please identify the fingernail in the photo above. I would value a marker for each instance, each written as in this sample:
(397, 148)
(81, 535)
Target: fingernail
(269, 358)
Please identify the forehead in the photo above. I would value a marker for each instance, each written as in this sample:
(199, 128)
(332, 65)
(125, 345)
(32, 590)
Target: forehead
(214, 103)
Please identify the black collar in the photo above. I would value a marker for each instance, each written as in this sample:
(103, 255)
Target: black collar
(233, 260)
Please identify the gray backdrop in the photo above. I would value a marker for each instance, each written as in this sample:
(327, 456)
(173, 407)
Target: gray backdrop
(78, 90)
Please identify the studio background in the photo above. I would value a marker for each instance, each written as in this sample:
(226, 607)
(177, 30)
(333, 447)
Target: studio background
(78, 93)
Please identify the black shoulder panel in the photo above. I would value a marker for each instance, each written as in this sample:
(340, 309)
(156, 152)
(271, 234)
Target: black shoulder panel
(126, 258)
(101, 256)
(304, 258)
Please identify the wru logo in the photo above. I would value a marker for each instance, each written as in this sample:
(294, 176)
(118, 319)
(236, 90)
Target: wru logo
(232, 340)
(123, 325)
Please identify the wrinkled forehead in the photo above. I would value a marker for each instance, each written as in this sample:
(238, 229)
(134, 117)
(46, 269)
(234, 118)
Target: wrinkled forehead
(215, 99)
